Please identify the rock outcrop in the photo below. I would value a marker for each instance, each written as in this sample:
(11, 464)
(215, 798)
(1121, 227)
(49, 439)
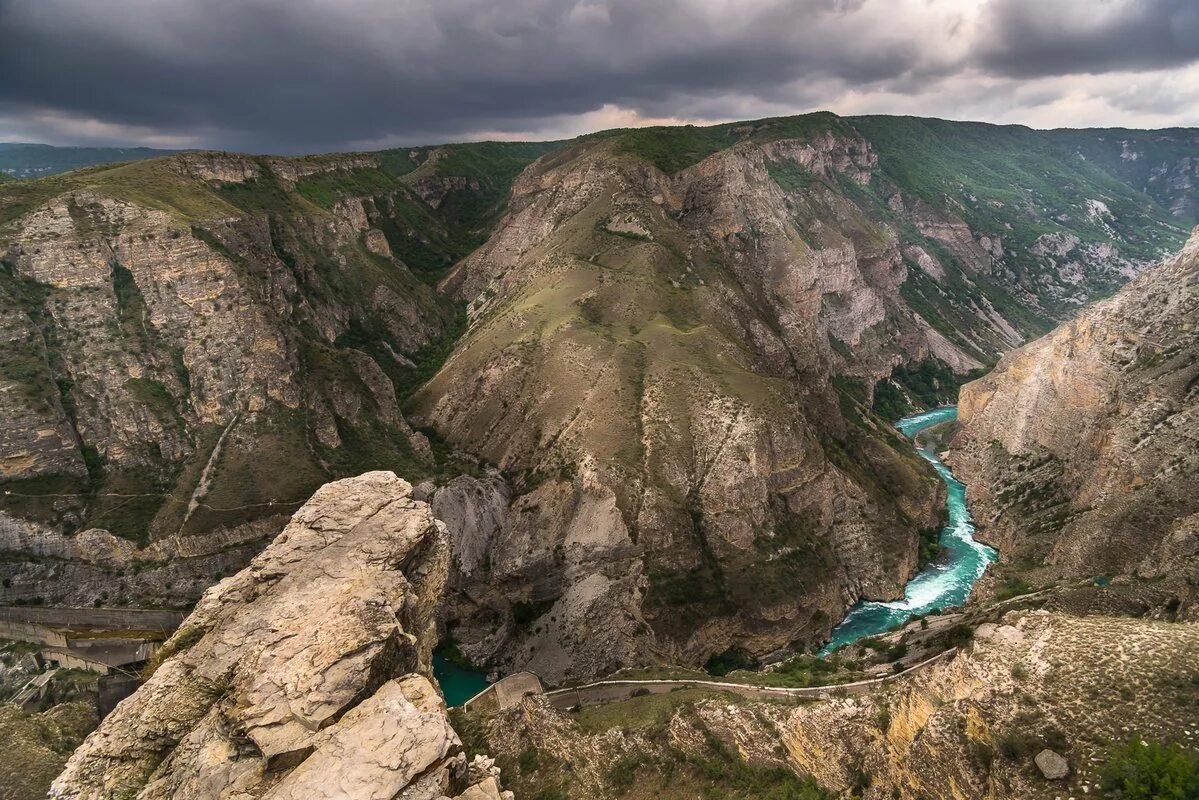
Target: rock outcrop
(302, 676)
(1081, 449)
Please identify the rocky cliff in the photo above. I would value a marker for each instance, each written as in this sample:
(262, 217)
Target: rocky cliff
(676, 339)
(302, 676)
(651, 360)
(1080, 449)
(193, 345)
(971, 727)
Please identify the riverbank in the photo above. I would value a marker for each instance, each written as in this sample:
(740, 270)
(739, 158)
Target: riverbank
(944, 583)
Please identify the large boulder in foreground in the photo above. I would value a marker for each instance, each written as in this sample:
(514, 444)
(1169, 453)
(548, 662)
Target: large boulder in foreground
(300, 676)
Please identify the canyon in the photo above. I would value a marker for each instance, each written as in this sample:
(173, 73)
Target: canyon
(620, 401)
(656, 365)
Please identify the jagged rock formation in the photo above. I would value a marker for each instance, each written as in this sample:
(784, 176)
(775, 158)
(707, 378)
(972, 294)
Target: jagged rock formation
(303, 676)
(968, 728)
(1081, 449)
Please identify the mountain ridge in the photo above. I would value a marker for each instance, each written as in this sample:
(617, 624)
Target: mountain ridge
(227, 332)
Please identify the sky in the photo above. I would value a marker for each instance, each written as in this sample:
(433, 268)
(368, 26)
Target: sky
(290, 76)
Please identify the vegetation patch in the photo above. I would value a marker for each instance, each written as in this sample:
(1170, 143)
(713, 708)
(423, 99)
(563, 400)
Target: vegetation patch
(1147, 770)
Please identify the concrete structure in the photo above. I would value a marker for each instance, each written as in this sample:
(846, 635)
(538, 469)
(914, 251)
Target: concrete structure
(506, 692)
(29, 695)
(114, 688)
(101, 655)
(95, 639)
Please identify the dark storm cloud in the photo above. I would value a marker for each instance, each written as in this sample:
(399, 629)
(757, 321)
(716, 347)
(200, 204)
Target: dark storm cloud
(1036, 37)
(312, 74)
(291, 75)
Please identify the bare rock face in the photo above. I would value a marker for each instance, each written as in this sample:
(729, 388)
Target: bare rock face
(1081, 451)
(651, 359)
(181, 368)
(474, 510)
(302, 675)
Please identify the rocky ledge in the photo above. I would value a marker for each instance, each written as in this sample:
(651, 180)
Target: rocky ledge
(303, 675)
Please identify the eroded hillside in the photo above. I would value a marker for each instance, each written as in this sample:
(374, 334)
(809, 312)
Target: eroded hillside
(194, 344)
(969, 727)
(1080, 449)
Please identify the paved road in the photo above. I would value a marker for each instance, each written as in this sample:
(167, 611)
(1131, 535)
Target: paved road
(609, 691)
(113, 619)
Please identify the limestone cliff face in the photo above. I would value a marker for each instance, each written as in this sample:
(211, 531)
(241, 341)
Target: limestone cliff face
(302, 676)
(197, 359)
(651, 359)
(1080, 449)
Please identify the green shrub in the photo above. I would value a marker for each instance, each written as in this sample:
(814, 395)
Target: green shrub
(1151, 771)
(1017, 744)
(731, 659)
(623, 773)
(527, 761)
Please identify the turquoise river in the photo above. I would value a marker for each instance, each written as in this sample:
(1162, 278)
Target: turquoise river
(944, 583)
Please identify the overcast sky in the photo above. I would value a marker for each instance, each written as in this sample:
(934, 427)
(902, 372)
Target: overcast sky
(314, 75)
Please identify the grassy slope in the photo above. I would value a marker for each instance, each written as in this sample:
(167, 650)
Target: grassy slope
(1135, 157)
(1007, 181)
(36, 746)
(39, 160)
(1035, 175)
(654, 324)
(673, 149)
(576, 759)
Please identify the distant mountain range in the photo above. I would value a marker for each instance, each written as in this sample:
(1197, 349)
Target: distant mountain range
(26, 160)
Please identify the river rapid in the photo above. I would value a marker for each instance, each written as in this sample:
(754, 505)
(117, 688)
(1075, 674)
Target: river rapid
(944, 583)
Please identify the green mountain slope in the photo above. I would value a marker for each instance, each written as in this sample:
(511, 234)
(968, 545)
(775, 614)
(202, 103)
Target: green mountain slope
(677, 338)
